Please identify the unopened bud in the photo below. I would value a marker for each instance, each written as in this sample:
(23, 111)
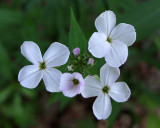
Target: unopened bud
(90, 61)
(76, 51)
(70, 68)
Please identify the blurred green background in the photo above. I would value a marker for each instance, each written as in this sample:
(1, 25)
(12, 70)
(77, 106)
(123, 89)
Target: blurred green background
(46, 21)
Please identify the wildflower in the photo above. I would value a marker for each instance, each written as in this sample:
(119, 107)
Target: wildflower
(104, 89)
(42, 68)
(71, 84)
(76, 51)
(111, 42)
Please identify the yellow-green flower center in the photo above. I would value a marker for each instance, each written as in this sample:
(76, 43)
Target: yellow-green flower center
(42, 66)
(75, 81)
(109, 40)
(105, 89)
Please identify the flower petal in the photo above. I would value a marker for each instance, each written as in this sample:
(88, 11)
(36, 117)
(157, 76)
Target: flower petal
(72, 92)
(31, 51)
(92, 87)
(51, 77)
(29, 76)
(109, 75)
(120, 92)
(105, 22)
(102, 107)
(81, 80)
(98, 45)
(66, 81)
(117, 55)
(124, 33)
(56, 55)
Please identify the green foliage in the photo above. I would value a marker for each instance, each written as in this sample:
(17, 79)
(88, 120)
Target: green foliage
(86, 123)
(59, 97)
(116, 107)
(9, 17)
(144, 17)
(76, 37)
(153, 121)
(5, 63)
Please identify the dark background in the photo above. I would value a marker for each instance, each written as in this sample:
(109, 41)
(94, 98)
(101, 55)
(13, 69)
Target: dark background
(46, 21)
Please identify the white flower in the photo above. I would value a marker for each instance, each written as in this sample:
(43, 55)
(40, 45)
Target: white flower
(71, 84)
(111, 42)
(119, 91)
(30, 76)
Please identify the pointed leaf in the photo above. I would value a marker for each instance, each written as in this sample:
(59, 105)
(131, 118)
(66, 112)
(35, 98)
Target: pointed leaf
(76, 37)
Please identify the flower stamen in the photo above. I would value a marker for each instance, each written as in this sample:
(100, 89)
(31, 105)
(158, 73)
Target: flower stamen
(42, 66)
(75, 81)
(109, 40)
(105, 89)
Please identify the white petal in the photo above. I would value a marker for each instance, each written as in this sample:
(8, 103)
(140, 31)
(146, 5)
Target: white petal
(56, 55)
(105, 22)
(31, 51)
(72, 92)
(118, 54)
(124, 33)
(102, 107)
(98, 45)
(109, 75)
(30, 76)
(120, 92)
(51, 77)
(92, 87)
(67, 86)
(66, 81)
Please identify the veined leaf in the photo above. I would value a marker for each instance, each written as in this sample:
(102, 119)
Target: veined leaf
(76, 37)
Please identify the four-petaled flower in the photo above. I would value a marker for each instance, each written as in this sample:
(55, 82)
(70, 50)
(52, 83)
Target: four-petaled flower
(111, 42)
(30, 76)
(105, 89)
(71, 84)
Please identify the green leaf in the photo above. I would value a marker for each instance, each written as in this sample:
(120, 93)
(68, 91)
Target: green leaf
(8, 16)
(147, 101)
(157, 42)
(59, 97)
(144, 17)
(153, 121)
(5, 63)
(76, 37)
(116, 107)
(86, 123)
(95, 70)
(5, 93)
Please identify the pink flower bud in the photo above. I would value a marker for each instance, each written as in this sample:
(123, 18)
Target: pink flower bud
(90, 61)
(76, 51)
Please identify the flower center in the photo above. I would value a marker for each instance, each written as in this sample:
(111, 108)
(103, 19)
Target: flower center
(105, 89)
(75, 81)
(109, 40)
(42, 66)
